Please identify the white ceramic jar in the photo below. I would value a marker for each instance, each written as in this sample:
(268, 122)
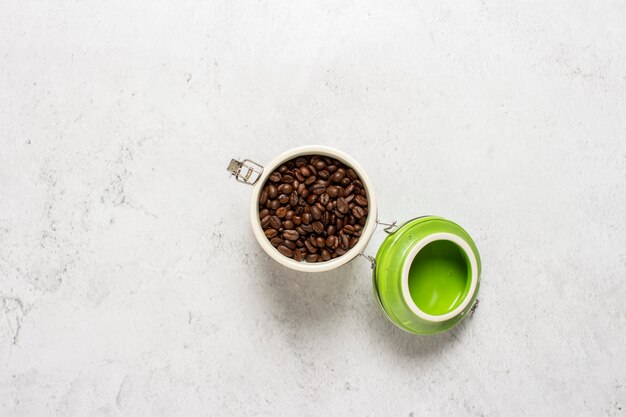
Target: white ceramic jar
(252, 173)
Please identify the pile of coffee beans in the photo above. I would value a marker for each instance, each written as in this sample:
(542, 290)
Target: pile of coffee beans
(313, 208)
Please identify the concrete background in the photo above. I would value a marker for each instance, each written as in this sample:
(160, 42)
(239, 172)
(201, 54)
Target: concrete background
(130, 282)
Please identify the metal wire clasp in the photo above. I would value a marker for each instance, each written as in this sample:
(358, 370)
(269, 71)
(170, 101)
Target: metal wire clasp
(391, 227)
(245, 171)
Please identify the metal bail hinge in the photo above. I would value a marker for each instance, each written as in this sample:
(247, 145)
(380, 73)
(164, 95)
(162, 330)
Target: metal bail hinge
(246, 171)
(391, 227)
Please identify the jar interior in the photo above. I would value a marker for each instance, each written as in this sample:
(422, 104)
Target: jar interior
(439, 277)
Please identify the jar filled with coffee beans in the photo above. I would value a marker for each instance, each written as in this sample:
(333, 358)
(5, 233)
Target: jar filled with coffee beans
(313, 208)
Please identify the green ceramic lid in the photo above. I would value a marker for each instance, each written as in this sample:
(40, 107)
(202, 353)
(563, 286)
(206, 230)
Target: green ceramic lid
(427, 275)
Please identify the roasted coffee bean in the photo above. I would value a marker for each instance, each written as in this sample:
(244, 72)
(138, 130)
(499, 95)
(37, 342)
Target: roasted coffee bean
(360, 200)
(313, 208)
(310, 247)
(316, 212)
(283, 199)
(265, 221)
(319, 165)
(275, 222)
(332, 191)
(318, 227)
(282, 212)
(337, 176)
(342, 205)
(263, 198)
(358, 212)
(285, 251)
(305, 171)
(318, 188)
(293, 199)
(348, 229)
(274, 204)
(311, 257)
(344, 240)
(292, 235)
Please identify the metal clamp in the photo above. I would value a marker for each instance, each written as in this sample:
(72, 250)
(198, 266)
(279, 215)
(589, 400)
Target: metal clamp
(475, 306)
(245, 171)
(391, 227)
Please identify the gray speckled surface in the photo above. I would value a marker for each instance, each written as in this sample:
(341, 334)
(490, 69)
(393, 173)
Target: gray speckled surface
(130, 282)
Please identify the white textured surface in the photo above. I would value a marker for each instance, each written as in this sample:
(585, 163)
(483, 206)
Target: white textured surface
(131, 285)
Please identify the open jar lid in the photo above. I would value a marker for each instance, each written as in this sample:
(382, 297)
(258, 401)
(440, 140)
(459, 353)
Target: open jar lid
(427, 275)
